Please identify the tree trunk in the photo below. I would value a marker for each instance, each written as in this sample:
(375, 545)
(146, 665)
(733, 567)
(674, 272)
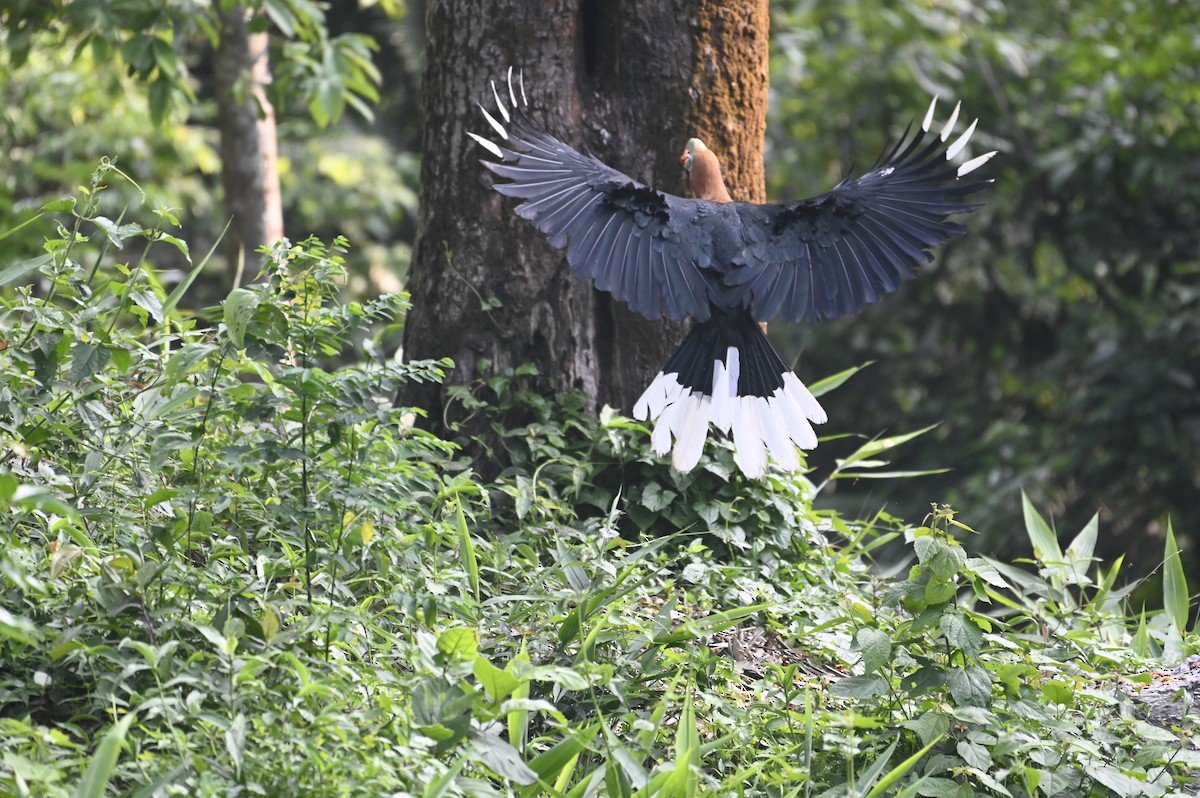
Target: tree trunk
(626, 80)
(246, 118)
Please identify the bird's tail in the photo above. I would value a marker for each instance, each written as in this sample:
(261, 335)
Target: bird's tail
(727, 373)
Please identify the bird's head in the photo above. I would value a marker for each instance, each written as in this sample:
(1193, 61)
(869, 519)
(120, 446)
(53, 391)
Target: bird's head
(703, 172)
(688, 159)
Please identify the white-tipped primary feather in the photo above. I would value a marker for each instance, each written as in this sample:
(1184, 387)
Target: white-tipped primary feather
(490, 146)
(961, 142)
(511, 95)
(949, 126)
(500, 103)
(929, 115)
(499, 128)
(975, 163)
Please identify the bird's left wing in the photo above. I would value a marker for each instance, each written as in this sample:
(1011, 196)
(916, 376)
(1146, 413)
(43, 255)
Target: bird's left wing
(828, 256)
(623, 235)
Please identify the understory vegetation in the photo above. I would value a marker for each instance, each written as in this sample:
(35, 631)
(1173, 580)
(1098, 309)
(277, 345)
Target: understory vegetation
(230, 566)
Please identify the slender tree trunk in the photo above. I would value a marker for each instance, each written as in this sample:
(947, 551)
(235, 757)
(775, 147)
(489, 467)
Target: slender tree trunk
(246, 118)
(627, 80)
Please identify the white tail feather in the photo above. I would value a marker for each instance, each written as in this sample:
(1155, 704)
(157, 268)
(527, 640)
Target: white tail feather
(724, 388)
(693, 432)
(748, 450)
(779, 442)
(804, 399)
(797, 425)
(652, 401)
(664, 430)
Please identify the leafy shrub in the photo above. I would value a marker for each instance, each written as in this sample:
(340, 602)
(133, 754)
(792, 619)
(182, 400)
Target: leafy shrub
(231, 566)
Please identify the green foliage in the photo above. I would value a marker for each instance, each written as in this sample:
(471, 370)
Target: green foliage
(129, 81)
(229, 565)
(1057, 344)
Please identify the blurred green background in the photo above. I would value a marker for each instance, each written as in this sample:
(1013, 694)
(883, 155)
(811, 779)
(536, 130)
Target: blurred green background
(1057, 347)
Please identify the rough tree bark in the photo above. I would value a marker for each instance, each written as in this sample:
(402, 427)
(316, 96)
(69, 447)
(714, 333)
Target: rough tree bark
(627, 80)
(246, 119)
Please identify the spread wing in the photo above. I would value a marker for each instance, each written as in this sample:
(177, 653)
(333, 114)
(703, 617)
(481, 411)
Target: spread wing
(828, 256)
(638, 244)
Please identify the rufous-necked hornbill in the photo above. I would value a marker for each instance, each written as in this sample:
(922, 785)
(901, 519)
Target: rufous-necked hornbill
(729, 265)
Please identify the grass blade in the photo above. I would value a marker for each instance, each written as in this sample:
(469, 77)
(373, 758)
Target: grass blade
(1176, 598)
(466, 548)
(1045, 542)
(897, 773)
(104, 761)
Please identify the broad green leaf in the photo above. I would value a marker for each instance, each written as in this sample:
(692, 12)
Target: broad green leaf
(655, 499)
(238, 308)
(859, 687)
(1141, 637)
(565, 678)
(502, 759)
(875, 646)
(1057, 691)
(15, 627)
(930, 726)
(974, 755)
(962, 633)
(1045, 543)
(87, 360)
(498, 684)
(1084, 544)
(1176, 598)
(185, 359)
(970, 686)
(459, 644)
(148, 301)
(942, 558)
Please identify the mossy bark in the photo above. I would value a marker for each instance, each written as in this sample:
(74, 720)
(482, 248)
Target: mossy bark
(626, 80)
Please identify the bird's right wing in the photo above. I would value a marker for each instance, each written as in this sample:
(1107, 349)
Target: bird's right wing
(828, 256)
(630, 239)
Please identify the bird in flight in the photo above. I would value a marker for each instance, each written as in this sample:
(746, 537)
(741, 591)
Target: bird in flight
(729, 265)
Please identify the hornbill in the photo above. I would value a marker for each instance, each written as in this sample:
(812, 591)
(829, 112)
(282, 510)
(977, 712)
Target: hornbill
(729, 265)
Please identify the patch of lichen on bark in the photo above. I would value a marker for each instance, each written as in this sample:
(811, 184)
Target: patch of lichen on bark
(729, 89)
